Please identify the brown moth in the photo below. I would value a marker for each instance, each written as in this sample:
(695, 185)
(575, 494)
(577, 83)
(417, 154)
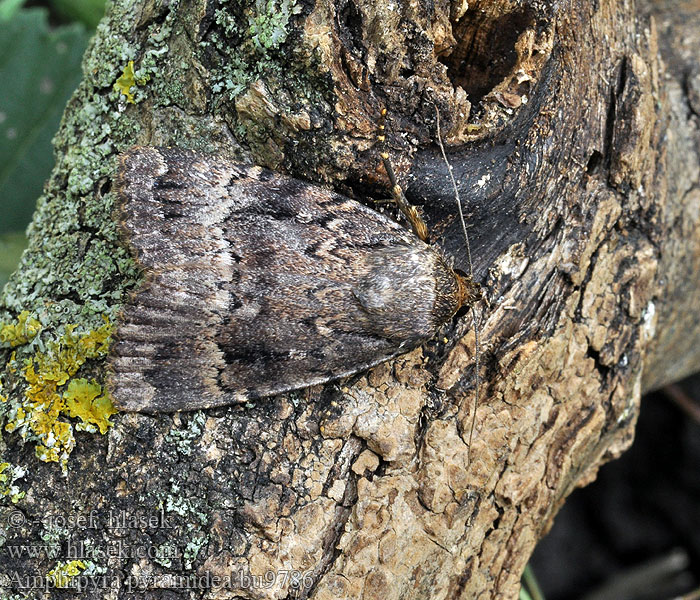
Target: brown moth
(258, 284)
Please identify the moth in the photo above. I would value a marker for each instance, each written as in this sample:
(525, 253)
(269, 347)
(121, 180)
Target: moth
(257, 284)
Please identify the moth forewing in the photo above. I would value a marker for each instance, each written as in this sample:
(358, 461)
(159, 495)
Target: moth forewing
(259, 284)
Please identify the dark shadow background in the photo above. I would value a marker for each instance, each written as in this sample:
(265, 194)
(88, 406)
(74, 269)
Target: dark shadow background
(638, 524)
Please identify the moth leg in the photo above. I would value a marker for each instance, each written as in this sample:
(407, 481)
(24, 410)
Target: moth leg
(410, 212)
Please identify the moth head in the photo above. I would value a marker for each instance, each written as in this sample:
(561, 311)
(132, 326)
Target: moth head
(468, 291)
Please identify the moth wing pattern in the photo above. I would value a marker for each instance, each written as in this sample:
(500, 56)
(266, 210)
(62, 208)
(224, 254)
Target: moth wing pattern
(257, 284)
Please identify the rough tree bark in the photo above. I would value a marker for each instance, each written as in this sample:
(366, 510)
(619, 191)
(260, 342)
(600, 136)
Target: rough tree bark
(573, 132)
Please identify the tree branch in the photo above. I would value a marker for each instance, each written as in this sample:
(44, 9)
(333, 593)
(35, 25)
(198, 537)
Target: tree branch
(572, 130)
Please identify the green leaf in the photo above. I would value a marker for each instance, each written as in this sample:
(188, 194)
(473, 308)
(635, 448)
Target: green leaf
(88, 12)
(39, 69)
(9, 8)
(11, 247)
(530, 589)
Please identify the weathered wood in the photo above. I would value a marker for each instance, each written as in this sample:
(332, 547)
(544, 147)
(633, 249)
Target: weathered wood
(573, 134)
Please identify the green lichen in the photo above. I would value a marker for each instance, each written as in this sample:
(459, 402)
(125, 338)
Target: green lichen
(52, 539)
(165, 553)
(268, 21)
(183, 439)
(9, 474)
(51, 393)
(75, 257)
(63, 572)
(196, 543)
(269, 75)
(259, 52)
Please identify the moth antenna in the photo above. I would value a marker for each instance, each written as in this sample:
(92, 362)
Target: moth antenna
(410, 212)
(477, 350)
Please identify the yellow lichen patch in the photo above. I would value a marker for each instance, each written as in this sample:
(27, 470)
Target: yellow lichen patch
(46, 403)
(84, 400)
(127, 80)
(22, 332)
(95, 343)
(62, 573)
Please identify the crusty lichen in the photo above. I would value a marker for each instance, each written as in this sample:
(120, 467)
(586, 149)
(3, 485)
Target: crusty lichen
(50, 392)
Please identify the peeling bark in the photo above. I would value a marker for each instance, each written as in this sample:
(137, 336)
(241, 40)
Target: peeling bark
(573, 133)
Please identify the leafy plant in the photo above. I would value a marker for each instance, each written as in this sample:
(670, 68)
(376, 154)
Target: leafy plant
(39, 69)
